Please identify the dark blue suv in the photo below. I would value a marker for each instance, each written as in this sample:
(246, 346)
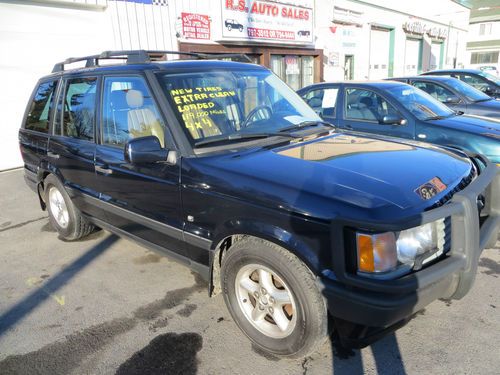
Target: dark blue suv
(223, 167)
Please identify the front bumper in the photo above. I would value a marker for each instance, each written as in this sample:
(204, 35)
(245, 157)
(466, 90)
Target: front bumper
(383, 303)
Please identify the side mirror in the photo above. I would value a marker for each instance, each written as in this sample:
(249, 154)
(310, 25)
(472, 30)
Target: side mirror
(452, 100)
(145, 150)
(393, 120)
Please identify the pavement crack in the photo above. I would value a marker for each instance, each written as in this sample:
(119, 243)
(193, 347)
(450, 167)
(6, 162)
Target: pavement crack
(22, 224)
(305, 364)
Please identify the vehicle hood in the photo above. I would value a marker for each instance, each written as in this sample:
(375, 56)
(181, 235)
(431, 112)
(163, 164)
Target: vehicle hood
(471, 123)
(324, 176)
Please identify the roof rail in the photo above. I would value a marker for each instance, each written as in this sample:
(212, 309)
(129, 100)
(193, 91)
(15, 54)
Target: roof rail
(143, 56)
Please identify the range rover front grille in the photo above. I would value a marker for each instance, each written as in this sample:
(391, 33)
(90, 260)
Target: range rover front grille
(462, 185)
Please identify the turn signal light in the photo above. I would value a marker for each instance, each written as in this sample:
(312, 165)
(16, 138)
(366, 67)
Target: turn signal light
(376, 252)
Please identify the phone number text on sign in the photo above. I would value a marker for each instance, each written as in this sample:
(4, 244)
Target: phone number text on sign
(270, 34)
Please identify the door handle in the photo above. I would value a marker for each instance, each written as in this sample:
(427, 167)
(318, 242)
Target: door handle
(103, 170)
(348, 127)
(53, 155)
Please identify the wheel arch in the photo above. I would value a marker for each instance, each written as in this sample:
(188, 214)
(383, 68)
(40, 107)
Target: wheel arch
(236, 230)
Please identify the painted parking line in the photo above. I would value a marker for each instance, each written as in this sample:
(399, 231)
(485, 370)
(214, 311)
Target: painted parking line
(34, 281)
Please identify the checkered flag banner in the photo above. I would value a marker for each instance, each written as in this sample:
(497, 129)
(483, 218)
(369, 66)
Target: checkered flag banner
(147, 2)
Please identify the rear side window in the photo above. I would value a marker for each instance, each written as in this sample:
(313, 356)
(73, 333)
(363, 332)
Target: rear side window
(323, 101)
(40, 108)
(436, 91)
(78, 106)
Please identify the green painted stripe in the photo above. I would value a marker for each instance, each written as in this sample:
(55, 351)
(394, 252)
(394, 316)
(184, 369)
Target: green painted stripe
(391, 52)
(484, 44)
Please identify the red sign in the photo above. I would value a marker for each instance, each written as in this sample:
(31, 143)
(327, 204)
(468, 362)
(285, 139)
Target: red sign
(195, 26)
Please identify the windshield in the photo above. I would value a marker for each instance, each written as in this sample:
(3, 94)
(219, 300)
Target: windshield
(225, 103)
(418, 102)
(490, 77)
(468, 91)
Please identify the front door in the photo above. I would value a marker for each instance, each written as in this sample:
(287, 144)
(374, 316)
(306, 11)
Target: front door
(143, 200)
(349, 67)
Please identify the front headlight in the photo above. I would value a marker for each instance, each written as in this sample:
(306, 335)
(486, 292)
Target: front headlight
(395, 253)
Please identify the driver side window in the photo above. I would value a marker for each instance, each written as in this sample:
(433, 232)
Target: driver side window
(475, 82)
(436, 91)
(366, 105)
(129, 112)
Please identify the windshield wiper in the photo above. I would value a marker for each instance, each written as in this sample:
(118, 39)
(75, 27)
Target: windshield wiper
(305, 124)
(483, 100)
(438, 117)
(236, 137)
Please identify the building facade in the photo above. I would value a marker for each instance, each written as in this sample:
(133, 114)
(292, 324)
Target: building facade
(483, 43)
(302, 41)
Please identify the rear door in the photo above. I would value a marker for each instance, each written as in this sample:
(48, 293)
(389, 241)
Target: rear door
(34, 134)
(364, 110)
(71, 147)
(324, 102)
(143, 200)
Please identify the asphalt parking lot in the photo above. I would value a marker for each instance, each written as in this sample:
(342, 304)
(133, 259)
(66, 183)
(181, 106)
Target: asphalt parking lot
(105, 305)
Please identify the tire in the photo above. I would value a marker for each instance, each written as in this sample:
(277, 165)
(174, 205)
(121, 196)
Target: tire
(70, 225)
(306, 324)
(240, 28)
(229, 27)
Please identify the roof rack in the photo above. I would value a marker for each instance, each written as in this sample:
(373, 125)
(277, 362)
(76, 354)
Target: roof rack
(144, 56)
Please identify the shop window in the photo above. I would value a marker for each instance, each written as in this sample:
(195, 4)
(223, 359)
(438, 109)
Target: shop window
(485, 29)
(484, 57)
(297, 71)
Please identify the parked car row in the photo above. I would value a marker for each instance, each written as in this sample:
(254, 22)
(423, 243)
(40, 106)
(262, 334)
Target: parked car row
(479, 79)
(435, 109)
(302, 226)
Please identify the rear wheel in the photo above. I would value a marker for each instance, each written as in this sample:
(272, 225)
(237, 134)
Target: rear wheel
(63, 215)
(273, 298)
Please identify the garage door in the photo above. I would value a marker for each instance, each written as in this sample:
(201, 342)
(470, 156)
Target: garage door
(32, 39)
(435, 56)
(379, 53)
(412, 52)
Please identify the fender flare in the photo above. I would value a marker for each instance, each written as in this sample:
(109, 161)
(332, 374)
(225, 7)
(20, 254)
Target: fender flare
(268, 232)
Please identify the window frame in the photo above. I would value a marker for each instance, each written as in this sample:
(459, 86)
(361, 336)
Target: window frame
(169, 140)
(61, 92)
(344, 117)
(51, 113)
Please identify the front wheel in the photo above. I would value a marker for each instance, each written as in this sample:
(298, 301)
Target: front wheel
(273, 298)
